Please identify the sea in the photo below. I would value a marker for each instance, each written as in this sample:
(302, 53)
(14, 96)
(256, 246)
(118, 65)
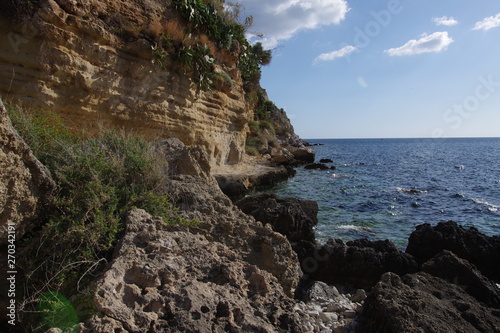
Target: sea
(383, 188)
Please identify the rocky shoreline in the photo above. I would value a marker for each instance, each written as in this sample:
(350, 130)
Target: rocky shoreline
(254, 266)
(234, 272)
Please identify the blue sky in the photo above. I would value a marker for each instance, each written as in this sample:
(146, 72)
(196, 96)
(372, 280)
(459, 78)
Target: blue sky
(383, 68)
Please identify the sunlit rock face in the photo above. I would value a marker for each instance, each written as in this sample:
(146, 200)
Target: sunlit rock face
(68, 57)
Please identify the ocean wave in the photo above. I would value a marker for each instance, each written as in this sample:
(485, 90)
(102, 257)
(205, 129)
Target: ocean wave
(491, 207)
(353, 227)
(410, 190)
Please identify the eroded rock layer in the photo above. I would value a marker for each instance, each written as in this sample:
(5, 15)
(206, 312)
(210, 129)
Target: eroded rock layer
(70, 57)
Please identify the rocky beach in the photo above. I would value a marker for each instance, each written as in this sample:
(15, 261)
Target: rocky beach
(223, 257)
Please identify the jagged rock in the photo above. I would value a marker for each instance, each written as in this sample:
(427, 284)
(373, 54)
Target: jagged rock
(317, 290)
(360, 262)
(291, 217)
(302, 154)
(458, 271)
(318, 166)
(223, 222)
(480, 250)
(424, 303)
(325, 160)
(281, 156)
(172, 281)
(184, 160)
(25, 184)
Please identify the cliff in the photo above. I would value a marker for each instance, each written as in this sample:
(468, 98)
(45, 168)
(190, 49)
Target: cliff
(94, 63)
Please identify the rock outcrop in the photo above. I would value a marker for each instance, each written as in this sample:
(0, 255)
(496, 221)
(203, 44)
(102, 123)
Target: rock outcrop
(359, 263)
(478, 249)
(91, 62)
(424, 303)
(291, 217)
(25, 184)
(172, 281)
(458, 271)
(197, 195)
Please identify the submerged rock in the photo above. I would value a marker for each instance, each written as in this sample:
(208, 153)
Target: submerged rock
(291, 217)
(318, 166)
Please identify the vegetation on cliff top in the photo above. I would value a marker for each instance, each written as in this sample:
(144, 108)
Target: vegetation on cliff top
(99, 180)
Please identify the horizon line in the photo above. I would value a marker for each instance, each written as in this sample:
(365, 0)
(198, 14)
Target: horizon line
(407, 138)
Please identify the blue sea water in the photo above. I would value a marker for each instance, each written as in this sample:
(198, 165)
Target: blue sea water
(383, 188)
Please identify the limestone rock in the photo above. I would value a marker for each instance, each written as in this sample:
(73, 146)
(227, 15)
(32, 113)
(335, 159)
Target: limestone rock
(184, 160)
(291, 217)
(478, 249)
(458, 271)
(25, 184)
(221, 221)
(88, 61)
(424, 303)
(171, 281)
(302, 154)
(360, 262)
(237, 185)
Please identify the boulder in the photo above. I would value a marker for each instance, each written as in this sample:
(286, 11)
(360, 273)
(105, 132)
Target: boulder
(359, 263)
(458, 271)
(325, 160)
(424, 303)
(236, 186)
(317, 290)
(176, 281)
(221, 221)
(26, 185)
(281, 156)
(318, 166)
(184, 160)
(480, 250)
(302, 154)
(291, 217)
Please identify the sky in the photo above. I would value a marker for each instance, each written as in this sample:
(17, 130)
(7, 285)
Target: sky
(382, 68)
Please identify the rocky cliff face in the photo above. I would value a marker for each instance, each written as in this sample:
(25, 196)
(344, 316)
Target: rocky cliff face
(91, 62)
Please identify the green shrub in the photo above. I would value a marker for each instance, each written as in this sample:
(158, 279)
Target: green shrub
(98, 181)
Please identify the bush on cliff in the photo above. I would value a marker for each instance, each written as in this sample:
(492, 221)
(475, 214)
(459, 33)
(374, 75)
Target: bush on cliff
(99, 180)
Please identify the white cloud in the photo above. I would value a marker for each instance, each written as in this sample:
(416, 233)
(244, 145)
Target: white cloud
(279, 20)
(488, 23)
(346, 50)
(445, 20)
(436, 42)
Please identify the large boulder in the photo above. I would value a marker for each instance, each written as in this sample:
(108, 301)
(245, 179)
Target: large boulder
(26, 185)
(291, 217)
(423, 303)
(359, 263)
(176, 281)
(458, 271)
(184, 160)
(478, 249)
(302, 155)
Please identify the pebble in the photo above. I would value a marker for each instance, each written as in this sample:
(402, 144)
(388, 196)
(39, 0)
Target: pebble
(335, 315)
